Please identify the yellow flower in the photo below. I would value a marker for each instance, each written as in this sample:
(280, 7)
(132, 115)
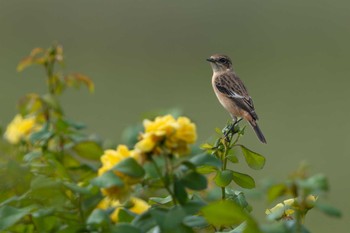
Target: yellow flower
(169, 134)
(111, 158)
(147, 143)
(186, 130)
(160, 126)
(136, 205)
(20, 128)
(285, 209)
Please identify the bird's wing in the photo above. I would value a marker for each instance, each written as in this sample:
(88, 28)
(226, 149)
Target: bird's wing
(231, 86)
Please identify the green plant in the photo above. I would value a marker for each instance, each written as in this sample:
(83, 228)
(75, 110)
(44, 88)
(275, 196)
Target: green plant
(56, 178)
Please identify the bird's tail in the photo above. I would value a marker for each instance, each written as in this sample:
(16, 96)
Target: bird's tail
(258, 131)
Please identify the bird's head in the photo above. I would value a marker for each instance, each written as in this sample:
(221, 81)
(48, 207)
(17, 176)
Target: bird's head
(220, 62)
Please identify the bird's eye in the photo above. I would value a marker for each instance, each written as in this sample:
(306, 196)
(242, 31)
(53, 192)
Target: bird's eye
(222, 60)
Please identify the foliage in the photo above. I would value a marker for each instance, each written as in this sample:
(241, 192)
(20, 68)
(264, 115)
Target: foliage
(59, 179)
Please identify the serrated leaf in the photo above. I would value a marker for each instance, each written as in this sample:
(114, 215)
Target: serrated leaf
(254, 160)
(130, 167)
(223, 178)
(243, 180)
(107, 179)
(77, 79)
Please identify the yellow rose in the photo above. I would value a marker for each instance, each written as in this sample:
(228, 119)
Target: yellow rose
(161, 126)
(147, 143)
(186, 130)
(111, 158)
(20, 128)
(176, 134)
(137, 206)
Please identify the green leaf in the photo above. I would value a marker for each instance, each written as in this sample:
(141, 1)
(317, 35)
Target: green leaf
(223, 178)
(10, 215)
(42, 136)
(224, 213)
(180, 192)
(206, 169)
(205, 159)
(192, 207)
(328, 209)
(232, 158)
(32, 156)
(88, 149)
(130, 167)
(76, 188)
(144, 221)
(77, 79)
(243, 180)
(172, 219)
(29, 104)
(98, 216)
(195, 221)
(107, 179)
(52, 102)
(124, 215)
(194, 181)
(254, 160)
(239, 198)
(276, 191)
(159, 200)
(206, 146)
(316, 183)
(125, 227)
(44, 212)
(44, 182)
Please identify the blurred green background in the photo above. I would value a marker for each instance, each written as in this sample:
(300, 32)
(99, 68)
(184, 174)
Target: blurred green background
(144, 55)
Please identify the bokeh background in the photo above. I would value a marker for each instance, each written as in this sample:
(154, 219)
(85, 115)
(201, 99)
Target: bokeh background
(146, 55)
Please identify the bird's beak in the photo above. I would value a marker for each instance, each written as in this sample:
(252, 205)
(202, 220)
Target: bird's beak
(210, 59)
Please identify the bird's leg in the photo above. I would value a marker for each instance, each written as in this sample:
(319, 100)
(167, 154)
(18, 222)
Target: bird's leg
(232, 127)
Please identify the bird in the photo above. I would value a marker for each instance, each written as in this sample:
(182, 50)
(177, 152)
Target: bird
(232, 94)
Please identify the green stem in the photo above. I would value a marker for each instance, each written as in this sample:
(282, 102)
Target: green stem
(49, 67)
(165, 183)
(227, 146)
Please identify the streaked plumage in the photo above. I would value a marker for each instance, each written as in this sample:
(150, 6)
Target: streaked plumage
(232, 93)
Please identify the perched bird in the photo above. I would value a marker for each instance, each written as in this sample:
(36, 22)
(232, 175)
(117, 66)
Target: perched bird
(232, 93)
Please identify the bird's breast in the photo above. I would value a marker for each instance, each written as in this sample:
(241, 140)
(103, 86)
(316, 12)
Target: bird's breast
(226, 102)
